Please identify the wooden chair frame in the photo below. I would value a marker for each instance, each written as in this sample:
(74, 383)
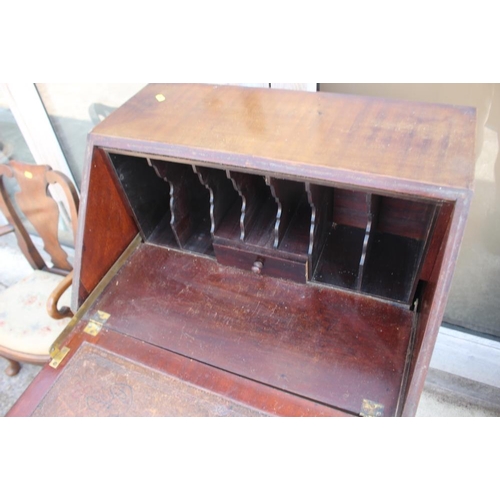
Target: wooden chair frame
(42, 211)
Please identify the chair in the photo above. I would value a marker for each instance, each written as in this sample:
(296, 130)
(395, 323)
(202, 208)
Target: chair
(26, 330)
(6, 229)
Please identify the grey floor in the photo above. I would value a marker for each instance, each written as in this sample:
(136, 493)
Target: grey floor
(463, 379)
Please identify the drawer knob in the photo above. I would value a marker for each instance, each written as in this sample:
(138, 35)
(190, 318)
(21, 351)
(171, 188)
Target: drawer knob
(257, 266)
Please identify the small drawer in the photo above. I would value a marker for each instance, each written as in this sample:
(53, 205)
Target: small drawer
(261, 264)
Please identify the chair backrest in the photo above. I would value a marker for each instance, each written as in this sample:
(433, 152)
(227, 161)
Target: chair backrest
(40, 209)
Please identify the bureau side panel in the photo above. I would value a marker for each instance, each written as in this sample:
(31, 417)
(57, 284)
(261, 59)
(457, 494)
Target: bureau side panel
(433, 303)
(105, 227)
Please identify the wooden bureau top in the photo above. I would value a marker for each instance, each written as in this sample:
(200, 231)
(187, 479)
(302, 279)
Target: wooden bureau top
(288, 131)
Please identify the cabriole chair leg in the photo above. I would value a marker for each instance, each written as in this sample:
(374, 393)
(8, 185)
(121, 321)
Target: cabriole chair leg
(13, 368)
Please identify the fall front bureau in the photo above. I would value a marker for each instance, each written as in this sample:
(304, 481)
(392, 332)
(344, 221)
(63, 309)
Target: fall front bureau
(284, 253)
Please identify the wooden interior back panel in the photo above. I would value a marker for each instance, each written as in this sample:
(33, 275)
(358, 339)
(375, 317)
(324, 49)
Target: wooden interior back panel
(293, 337)
(355, 134)
(408, 218)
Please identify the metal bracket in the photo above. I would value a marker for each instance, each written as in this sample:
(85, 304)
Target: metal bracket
(96, 322)
(371, 409)
(58, 356)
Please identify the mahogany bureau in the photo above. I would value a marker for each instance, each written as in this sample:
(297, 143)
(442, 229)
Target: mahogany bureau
(260, 252)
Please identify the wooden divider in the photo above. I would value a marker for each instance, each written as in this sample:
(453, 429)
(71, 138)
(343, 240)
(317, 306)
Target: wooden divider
(357, 240)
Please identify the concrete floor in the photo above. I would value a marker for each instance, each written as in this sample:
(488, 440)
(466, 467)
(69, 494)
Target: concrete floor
(463, 379)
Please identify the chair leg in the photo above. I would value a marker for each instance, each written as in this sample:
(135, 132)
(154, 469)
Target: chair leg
(13, 368)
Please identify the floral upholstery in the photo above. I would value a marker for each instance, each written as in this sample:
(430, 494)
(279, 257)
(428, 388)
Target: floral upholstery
(25, 325)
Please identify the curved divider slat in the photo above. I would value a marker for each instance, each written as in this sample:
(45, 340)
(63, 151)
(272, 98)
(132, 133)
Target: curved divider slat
(161, 170)
(288, 195)
(189, 206)
(147, 197)
(397, 248)
(373, 244)
(320, 199)
(222, 194)
(372, 202)
(254, 195)
(338, 258)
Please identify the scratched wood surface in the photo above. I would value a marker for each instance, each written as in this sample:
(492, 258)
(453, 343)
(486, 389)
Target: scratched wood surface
(293, 337)
(52, 398)
(332, 346)
(422, 142)
(450, 225)
(97, 383)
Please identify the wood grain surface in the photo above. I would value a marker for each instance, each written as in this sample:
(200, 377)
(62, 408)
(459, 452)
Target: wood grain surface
(40, 209)
(257, 128)
(97, 383)
(106, 227)
(373, 171)
(73, 389)
(324, 344)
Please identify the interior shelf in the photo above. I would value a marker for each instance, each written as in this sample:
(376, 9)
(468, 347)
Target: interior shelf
(296, 235)
(148, 198)
(225, 204)
(339, 261)
(398, 240)
(391, 266)
(258, 209)
(293, 217)
(163, 234)
(189, 206)
(341, 257)
(361, 241)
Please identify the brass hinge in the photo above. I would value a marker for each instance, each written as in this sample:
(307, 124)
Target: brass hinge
(371, 409)
(57, 356)
(96, 322)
